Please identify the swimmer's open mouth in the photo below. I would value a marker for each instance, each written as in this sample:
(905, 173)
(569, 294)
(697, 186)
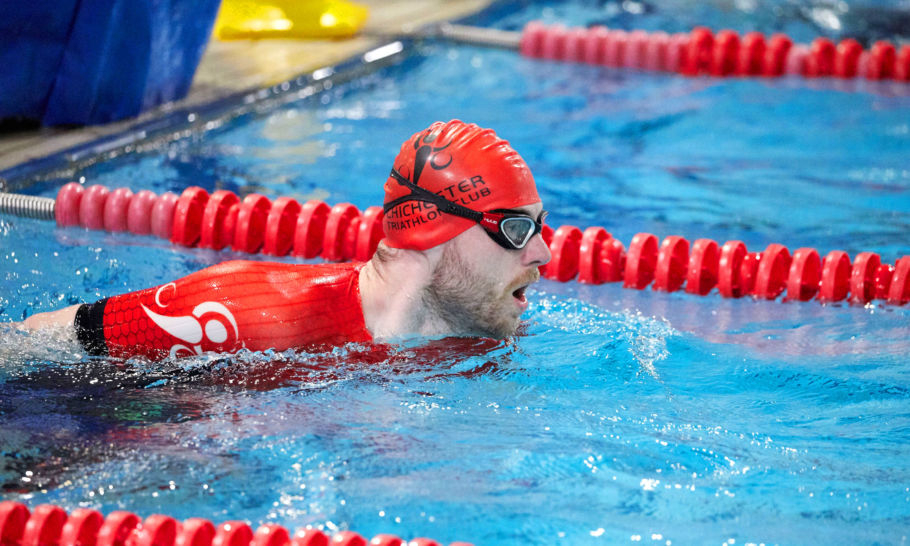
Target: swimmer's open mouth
(519, 293)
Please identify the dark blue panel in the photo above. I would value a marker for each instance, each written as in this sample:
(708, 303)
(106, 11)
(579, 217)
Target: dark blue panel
(32, 38)
(95, 61)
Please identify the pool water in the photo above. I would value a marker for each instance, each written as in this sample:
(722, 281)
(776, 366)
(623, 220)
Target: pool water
(618, 416)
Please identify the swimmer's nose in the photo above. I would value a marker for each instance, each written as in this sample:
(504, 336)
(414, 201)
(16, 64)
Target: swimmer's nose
(536, 252)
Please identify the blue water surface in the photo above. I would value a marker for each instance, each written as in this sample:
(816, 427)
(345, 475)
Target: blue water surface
(618, 416)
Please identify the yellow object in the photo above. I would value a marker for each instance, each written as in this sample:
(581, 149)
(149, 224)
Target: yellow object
(246, 19)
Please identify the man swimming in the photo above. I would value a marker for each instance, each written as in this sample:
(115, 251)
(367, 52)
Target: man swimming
(462, 243)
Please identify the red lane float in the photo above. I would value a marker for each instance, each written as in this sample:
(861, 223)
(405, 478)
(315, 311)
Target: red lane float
(862, 277)
(44, 526)
(117, 527)
(776, 55)
(81, 527)
(162, 216)
(310, 537)
(902, 64)
(49, 525)
(771, 276)
(188, 211)
(251, 223)
(805, 275)
(640, 261)
(729, 282)
(593, 256)
(115, 210)
(279, 227)
(751, 54)
(820, 61)
(698, 55)
(66, 207)
(270, 534)
(233, 533)
(701, 275)
(341, 217)
(846, 59)
(749, 271)
(222, 220)
(598, 258)
(672, 263)
(657, 49)
(565, 249)
(221, 205)
(156, 530)
(369, 233)
(899, 291)
(835, 277)
(589, 255)
(720, 54)
(91, 209)
(139, 213)
(310, 229)
(725, 55)
(195, 532)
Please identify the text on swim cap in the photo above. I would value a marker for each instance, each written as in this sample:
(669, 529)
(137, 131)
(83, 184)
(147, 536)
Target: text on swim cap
(464, 187)
(408, 223)
(410, 208)
(413, 213)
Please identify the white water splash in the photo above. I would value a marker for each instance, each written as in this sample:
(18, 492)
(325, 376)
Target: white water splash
(19, 347)
(645, 337)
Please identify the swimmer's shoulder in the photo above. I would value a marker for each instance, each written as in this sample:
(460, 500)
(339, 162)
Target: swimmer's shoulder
(231, 267)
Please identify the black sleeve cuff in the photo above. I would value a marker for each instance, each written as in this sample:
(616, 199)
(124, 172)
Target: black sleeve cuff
(89, 325)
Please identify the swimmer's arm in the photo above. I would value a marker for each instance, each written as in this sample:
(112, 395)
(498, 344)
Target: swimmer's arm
(59, 319)
(43, 336)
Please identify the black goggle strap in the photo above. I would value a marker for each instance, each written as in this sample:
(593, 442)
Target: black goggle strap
(443, 204)
(490, 221)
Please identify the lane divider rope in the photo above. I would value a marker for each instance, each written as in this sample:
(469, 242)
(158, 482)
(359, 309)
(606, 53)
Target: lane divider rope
(595, 257)
(725, 53)
(701, 51)
(49, 525)
(252, 224)
(341, 232)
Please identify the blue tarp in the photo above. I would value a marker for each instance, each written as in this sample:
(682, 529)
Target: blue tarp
(75, 62)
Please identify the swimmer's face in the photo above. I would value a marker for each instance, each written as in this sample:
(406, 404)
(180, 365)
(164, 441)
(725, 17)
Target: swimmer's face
(479, 287)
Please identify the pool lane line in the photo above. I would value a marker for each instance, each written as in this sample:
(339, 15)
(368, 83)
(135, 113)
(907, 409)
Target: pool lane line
(48, 525)
(700, 52)
(341, 232)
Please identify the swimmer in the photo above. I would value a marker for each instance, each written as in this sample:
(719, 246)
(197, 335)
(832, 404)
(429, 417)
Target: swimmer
(462, 243)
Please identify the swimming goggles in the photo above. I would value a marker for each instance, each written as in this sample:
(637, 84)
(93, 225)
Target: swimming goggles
(511, 230)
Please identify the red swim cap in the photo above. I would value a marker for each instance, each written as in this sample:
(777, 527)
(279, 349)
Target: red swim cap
(463, 163)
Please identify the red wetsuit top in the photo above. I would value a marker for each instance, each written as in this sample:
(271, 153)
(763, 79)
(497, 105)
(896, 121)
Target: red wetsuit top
(226, 307)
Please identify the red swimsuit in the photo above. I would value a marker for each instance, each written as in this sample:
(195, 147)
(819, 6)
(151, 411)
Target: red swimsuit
(237, 304)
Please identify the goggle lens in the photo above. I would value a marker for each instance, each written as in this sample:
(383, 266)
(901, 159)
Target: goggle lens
(518, 230)
(512, 230)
